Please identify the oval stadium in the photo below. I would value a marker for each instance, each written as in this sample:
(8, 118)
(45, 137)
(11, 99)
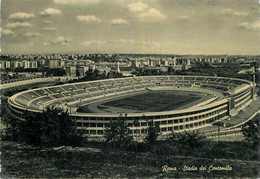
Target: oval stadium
(176, 103)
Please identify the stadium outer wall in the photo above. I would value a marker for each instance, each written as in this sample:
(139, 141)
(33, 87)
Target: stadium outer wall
(236, 96)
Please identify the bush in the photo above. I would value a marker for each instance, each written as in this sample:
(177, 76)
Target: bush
(191, 139)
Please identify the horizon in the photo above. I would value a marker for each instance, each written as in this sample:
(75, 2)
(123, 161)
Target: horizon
(165, 54)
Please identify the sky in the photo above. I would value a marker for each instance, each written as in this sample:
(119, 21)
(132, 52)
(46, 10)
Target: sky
(205, 27)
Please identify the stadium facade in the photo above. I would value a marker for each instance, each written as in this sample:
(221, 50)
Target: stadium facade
(230, 96)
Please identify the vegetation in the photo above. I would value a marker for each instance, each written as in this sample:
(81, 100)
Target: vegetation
(52, 127)
(77, 73)
(89, 162)
(152, 132)
(125, 159)
(145, 72)
(10, 131)
(117, 133)
(54, 71)
(46, 70)
(202, 69)
(222, 70)
(251, 131)
(95, 75)
(191, 139)
(21, 69)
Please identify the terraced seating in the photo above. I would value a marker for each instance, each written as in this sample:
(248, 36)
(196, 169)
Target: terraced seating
(223, 80)
(69, 87)
(221, 88)
(69, 92)
(92, 84)
(71, 96)
(120, 85)
(86, 96)
(176, 78)
(146, 82)
(211, 79)
(136, 83)
(107, 83)
(48, 91)
(126, 80)
(162, 78)
(80, 91)
(92, 89)
(58, 95)
(236, 82)
(97, 94)
(110, 87)
(187, 85)
(148, 78)
(183, 82)
(149, 85)
(56, 90)
(45, 99)
(69, 100)
(111, 91)
(40, 92)
(82, 86)
(100, 88)
(212, 83)
(200, 78)
(189, 78)
(30, 95)
(169, 84)
(35, 103)
(21, 100)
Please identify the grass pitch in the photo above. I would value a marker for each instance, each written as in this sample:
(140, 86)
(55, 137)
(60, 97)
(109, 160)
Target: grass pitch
(155, 101)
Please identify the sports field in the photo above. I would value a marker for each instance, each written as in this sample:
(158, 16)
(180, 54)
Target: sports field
(150, 101)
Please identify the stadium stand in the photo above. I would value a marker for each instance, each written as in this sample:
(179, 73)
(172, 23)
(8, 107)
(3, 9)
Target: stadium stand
(235, 95)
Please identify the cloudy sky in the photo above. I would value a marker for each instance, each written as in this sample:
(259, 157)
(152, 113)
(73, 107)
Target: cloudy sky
(131, 26)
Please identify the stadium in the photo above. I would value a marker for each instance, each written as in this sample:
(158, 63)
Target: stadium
(176, 103)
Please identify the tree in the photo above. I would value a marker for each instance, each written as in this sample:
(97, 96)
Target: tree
(52, 127)
(10, 124)
(136, 124)
(55, 71)
(250, 131)
(77, 73)
(171, 70)
(153, 132)
(117, 133)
